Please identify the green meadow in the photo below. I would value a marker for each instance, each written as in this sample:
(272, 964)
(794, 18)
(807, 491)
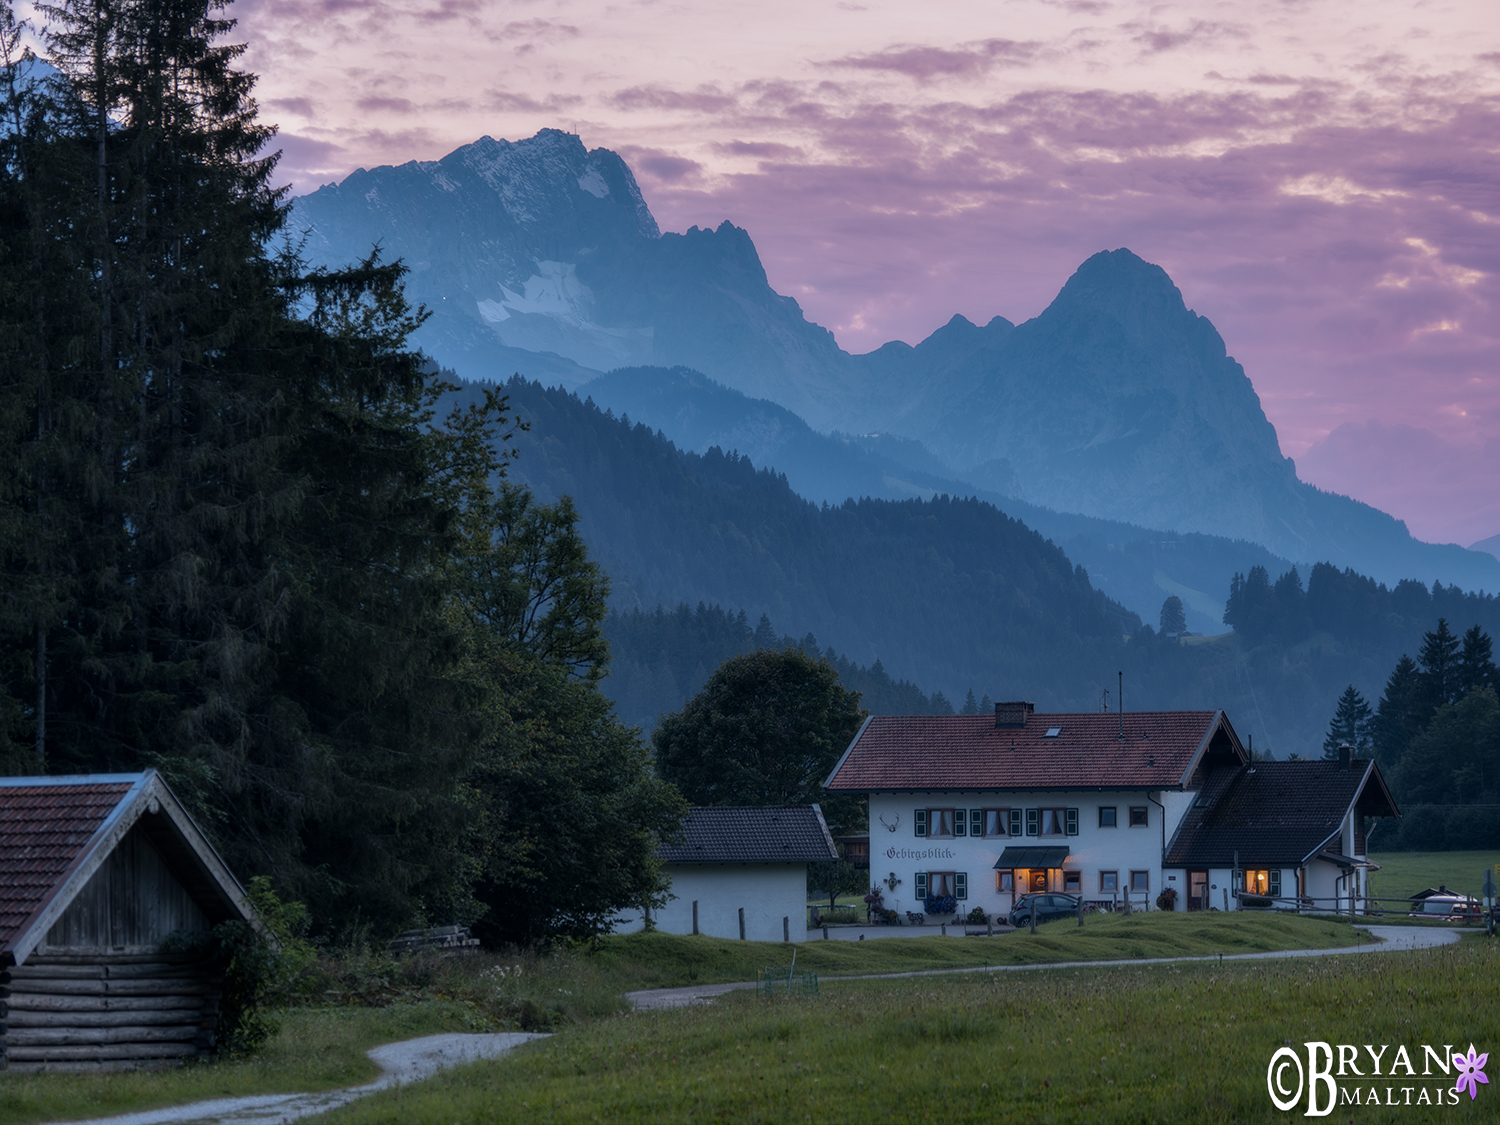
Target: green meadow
(1403, 874)
(1157, 1043)
(363, 1000)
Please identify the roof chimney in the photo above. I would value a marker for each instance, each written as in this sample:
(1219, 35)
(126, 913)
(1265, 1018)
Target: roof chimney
(1012, 716)
(1346, 755)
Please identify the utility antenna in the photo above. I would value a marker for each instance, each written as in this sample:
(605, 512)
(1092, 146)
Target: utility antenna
(1104, 701)
(1122, 706)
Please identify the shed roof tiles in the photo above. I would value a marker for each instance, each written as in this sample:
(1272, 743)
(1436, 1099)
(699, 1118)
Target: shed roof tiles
(765, 834)
(44, 828)
(933, 752)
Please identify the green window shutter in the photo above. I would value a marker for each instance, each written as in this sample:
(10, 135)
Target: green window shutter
(1033, 821)
(1072, 822)
(960, 822)
(1275, 882)
(921, 885)
(961, 884)
(1015, 822)
(976, 822)
(919, 821)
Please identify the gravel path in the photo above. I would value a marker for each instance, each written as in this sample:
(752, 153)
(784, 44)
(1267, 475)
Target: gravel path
(1391, 939)
(400, 1063)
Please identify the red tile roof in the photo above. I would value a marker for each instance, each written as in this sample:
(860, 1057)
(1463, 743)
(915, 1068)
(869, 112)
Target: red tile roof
(926, 752)
(43, 830)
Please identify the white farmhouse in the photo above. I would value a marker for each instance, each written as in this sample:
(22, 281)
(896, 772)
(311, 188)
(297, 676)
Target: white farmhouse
(1104, 806)
(741, 872)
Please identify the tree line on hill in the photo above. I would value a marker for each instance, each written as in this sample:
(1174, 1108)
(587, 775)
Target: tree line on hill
(240, 547)
(1436, 734)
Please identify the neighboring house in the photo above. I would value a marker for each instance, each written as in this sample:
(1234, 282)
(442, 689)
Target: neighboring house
(1297, 828)
(96, 873)
(741, 872)
(986, 809)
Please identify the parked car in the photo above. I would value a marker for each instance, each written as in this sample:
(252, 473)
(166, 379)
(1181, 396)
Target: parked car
(1049, 908)
(1449, 908)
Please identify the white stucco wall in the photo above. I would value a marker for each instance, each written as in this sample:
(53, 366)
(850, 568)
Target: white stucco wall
(768, 892)
(896, 849)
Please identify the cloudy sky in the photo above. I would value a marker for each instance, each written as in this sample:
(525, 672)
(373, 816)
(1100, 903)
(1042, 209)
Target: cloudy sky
(1321, 179)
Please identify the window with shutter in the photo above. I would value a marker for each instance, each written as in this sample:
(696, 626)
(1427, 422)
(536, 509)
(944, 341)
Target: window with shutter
(976, 823)
(1015, 822)
(1033, 821)
(921, 885)
(1072, 822)
(919, 822)
(961, 884)
(960, 822)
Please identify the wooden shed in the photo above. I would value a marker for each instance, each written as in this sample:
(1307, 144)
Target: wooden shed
(96, 873)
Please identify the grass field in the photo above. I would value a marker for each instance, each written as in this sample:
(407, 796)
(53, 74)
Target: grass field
(1403, 874)
(1167, 1043)
(317, 1049)
(321, 1047)
(665, 960)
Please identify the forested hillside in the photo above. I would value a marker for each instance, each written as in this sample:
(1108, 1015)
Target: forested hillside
(943, 592)
(661, 658)
(949, 596)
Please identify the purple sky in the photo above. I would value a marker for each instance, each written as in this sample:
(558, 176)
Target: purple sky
(1321, 179)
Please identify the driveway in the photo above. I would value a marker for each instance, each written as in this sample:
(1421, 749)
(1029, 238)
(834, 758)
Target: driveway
(411, 1061)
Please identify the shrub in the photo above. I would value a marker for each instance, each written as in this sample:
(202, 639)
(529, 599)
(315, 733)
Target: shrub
(977, 917)
(1167, 900)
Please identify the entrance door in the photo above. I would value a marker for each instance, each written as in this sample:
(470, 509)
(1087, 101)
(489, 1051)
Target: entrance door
(1038, 881)
(1197, 890)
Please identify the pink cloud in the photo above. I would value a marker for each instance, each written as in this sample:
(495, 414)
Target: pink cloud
(927, 63)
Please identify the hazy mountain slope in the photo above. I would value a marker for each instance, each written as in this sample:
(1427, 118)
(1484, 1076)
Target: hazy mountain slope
(1116, 402)
(943, 592)
(1136, 566)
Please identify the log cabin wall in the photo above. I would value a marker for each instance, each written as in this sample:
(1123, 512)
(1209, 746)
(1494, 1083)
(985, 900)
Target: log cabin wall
(99, 994)
(95, 1011)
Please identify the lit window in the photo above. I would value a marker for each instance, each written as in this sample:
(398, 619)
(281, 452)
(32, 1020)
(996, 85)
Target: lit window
(1263, 882)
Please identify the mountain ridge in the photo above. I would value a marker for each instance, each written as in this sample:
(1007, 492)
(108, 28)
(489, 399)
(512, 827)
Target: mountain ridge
(1117, 401)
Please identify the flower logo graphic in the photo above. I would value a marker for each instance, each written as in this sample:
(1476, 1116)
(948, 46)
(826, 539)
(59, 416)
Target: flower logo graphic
(1470, 1071)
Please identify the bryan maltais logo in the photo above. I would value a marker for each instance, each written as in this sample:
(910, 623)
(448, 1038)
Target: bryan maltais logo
(1344, 1075)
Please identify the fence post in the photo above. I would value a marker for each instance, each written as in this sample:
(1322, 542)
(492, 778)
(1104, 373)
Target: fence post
(1080, 912)
(695, 916)
(1226, 900)
(742, 923)
(786, 928)
(825, 933)
(1033, 915)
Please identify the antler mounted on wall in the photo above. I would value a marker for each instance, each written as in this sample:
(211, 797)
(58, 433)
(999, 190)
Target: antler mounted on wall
(891, 827)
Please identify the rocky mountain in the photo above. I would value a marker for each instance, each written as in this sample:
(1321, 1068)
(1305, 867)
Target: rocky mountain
(541, 256)
(1117, 402)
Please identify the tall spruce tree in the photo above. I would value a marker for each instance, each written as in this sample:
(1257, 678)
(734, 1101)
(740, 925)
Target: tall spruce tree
(1476, 664)
(1439, 659)
(1400, 715)
(231, 533)
(1351, 724)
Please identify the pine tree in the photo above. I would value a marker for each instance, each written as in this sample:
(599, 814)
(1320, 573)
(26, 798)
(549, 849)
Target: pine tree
(1351, 724)
(971, 705)
(1400, 714)
(1439, 659)
(1476, 664)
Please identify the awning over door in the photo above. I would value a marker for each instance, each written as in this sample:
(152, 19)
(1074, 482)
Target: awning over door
(1035, 857)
